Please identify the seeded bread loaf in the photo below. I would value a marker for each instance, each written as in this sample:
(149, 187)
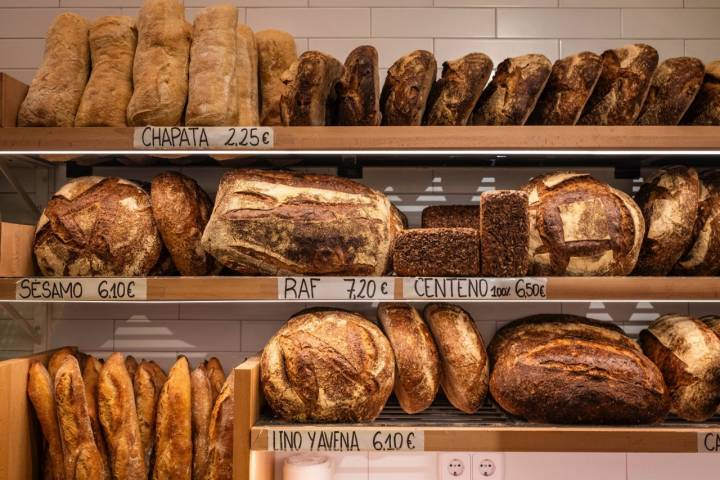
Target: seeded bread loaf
(437, 252)
(451, 216)
(674, 86)
(358, 91)
(504, 233)
(705, 110)
(276, 53)
(404, 95)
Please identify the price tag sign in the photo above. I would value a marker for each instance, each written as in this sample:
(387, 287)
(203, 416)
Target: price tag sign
(328, 440)
(81, 289)
(456, 288)
(708, 442)
(203, 138)
(336, 288)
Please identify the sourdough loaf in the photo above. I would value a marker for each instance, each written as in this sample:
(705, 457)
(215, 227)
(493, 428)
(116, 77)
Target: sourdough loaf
(705, 110)
(41, 392)
(504, 233)
(246, 77)
(276, 53)
(147, 383)
(450, 216)
(407, 87)
(437, 252)
(358, 91)
(674, 86)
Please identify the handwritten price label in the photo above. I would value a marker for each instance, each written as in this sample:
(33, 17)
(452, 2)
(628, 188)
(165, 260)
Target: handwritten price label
(203, 138)
(708, 442)
(329, 440)
(452, 288)
(81, 289)
(334, 288)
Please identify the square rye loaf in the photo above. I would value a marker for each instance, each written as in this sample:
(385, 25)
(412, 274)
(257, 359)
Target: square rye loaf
(451, 216)
(437, 252)
(504, 233)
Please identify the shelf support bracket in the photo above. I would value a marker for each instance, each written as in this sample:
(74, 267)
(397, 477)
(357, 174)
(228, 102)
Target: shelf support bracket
(350, 167)
(26, 325)
(7, 172)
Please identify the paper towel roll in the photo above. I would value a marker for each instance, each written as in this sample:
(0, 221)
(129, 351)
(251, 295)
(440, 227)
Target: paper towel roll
(307, 466)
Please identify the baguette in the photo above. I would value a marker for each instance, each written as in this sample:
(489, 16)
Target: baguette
(220, 434)
(41, 393)
(202, 404)
(147, 383)
(216, 375)
(131, 364)
(57, 359)
(91, 374)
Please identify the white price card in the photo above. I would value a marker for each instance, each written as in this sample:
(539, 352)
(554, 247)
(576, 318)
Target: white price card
(708, 442)
(474, 288)
(203, 138)
(344, 440)
(81, 289)
(336, 288)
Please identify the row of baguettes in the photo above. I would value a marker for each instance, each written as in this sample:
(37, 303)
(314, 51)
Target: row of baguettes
(122, 419)
(545, 368)
(217, 72)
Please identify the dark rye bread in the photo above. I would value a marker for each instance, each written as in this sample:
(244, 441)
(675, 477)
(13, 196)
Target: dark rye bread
(437, 252)
(450, 216)
(453, 97)
(407, 87)
(504, 233)
(669, 202)
(675, 85)
(705, 110)
(624, 83)
(512, 93)
(571, 370)
(571, 83)
(358, 91)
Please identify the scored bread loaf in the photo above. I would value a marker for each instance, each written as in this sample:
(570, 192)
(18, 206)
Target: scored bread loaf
(91, 376)
(407, 86)
(674, 86)
(504, 233)
(450, 216)
(246, 77)
(276, 53)
(463, 359)
(511, 95)
(417, 364)
(147, 383)
(453, 97)
(669, 202)
(202, 404)
(216, 375)
(55, 92)
(572, 81)
(221, 434)
(160, 67)
(327, 365)
(623, 86)
(113, 40)
(705, 110)
(57, 359)
(41, 392)
(437, 252)
(358, 91)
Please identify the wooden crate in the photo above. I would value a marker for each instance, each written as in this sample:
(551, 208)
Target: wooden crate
(12, 93)
(16, 250)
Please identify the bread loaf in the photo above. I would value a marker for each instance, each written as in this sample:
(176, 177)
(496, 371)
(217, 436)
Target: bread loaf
(113, 40)
(464, 362)
(510, 97)
(327, 366)
(97, 226)
(216, 375)
(55, 92)
(173, 430)
(41, 392)
(567, 369)
(220, 433)
(455, 95)
(450, 216)
(669, 202)
(504, 233)
(572, 81)
(246, 77)
(160, 68)
(407, 87)
(212, 93)
(623, 86)
(202, 404)
(131, 364)
(309, 93)
(147, 383)
(358, 91)
(713, 322)
(673, 89)
(91, 376)
(705, 110)
(581, 226)
(437, 252)
(278, 223)
(276, 53)
(688, 354)
(58, 358)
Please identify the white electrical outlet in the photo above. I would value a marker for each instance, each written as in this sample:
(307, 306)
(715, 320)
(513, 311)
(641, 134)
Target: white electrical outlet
(455, 466)
(488, 465)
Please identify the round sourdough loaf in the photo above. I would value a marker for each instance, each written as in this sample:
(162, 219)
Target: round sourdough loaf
(328, 365)
(464, 362)
(95, 226)
(712, 321)
(581, 226)
(571, 370)
(687, 351)
(404, 95)
(417, 365)
(705, 110)
(669, 202)
(675, 85)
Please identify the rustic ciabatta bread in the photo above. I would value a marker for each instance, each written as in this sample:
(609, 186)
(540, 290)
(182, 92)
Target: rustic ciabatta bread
(510, 97)
(173, 427)
(216, 375)
(437, 252)
(327, 365)
(181, 209)
(277, 223)
(91, 375)
(276, 53)
(673, 89)
(246, 77)
(41, 392)
(147, 383)
(56, 90)
(212, 87)
(453, 97)
(308, 98)
(202, 404)
(688, 354)
(417, 364)
(581, 226)
(504, 233)
(113, 40)
(623, 85)
(450, 216)
(358, 91)
(566, 369)
(572, 81)
(404, 95)
(118, 416)
(705, 110)
(669, 202)
(220, 434)
(160, 67)
(464, 362)
(97, 226)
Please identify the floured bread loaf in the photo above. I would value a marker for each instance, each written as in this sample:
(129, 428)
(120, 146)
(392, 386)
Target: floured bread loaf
(358, 91)
(674, 87)
(407, 87)
(581, 226)
(276, 53)
(705, 110)
(246, 77)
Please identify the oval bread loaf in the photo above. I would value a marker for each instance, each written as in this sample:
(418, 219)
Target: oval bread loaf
(358, 91)
(406, 89)
(675, 85)
(705, 110)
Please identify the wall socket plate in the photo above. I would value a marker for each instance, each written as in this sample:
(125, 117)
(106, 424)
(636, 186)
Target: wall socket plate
(488, 465)
(454, 466)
